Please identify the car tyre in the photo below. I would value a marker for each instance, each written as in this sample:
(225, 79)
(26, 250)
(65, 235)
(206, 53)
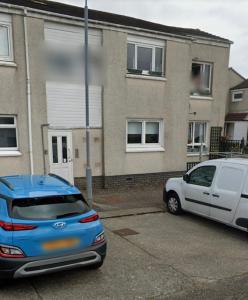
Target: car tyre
(173, 204)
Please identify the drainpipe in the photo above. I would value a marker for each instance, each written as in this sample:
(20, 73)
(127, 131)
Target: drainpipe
(28, 86)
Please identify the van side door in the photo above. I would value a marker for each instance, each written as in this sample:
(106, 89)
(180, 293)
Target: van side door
(198, 189)
(226, 191)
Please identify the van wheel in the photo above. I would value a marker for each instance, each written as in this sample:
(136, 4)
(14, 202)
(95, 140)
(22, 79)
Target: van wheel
(173, 204)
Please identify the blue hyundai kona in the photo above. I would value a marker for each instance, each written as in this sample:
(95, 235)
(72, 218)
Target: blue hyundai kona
(46, 226)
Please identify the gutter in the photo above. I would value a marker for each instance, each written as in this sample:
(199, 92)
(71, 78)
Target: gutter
(119, 26)
(28, 91)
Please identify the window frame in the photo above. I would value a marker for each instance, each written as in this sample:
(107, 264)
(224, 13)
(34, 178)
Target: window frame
(235, 93)
(202, 167)
(210, 85)
(7, 126)
(193, 144)
(8, 25)
(143, 145)
(149, 44)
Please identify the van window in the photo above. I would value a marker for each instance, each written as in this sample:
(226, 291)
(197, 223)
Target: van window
(202, 176)
(230, 179)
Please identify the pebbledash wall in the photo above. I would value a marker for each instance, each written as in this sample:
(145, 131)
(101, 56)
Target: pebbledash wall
(123, 97)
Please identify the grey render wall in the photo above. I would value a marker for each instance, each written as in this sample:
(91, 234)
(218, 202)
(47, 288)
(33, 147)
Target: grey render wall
(123, 98)
(38, 89)
(13, 101)
(213, 109)
(241, 106)
(235, 79)
(137, 98)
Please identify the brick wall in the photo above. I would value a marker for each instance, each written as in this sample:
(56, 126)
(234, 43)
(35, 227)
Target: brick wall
(128, 181)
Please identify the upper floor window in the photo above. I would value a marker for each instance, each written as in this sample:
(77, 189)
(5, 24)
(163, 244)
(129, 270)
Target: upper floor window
(197, 137)
(8, 133)
(145, 58)
(201, 78)
(237, 96)
(6, 51)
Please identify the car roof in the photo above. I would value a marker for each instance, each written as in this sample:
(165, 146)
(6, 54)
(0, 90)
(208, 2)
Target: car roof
(28, 186)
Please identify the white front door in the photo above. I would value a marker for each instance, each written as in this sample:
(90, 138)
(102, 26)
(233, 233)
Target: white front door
(60, 154)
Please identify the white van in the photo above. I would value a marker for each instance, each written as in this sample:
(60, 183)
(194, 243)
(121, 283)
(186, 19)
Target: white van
(216, 189)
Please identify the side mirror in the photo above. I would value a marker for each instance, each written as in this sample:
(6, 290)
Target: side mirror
(186, 178)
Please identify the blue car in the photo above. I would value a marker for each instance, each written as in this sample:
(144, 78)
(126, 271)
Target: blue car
(46, 226)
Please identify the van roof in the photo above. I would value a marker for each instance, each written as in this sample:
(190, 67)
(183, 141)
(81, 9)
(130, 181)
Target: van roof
(238, 160)
(28, 186)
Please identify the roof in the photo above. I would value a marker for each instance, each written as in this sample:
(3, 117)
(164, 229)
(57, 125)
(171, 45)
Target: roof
(240, 86)
(241, 116)
(26, 186)
(95, 15)
(236, 72)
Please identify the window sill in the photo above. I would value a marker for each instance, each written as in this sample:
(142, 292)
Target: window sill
(201, 97)
(8, 64)
(145, 149)
(146, 77)
(197, 154)
(10, 153)
(235, 101)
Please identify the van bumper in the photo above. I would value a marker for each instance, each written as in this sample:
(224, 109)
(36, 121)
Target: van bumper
(33, 266)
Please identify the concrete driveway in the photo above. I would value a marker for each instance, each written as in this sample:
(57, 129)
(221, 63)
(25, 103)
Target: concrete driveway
(165, 257)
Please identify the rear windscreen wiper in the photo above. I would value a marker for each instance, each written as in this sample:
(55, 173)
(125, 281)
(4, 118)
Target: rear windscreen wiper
(68, 215)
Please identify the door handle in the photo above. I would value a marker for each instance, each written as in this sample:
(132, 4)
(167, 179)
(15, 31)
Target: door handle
(216, 196)
(206, 193)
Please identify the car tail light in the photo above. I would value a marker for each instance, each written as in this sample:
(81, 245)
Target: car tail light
(100, 238)
(92, 218)
(15, 227)
(11, 252)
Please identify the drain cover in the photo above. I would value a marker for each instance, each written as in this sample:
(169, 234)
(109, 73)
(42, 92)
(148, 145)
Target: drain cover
(125, 232)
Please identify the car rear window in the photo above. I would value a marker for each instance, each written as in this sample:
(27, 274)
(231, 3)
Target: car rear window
(48, 208)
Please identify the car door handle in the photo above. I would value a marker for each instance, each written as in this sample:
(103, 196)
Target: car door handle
(206, 193)
(216, 196)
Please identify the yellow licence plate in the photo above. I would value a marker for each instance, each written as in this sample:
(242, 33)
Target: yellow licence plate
(61, 244)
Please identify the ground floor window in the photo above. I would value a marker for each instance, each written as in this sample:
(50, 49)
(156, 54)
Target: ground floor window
(144, 134)
(197, 136)
(8, 133)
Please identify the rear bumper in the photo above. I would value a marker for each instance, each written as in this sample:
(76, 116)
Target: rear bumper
(25, 267)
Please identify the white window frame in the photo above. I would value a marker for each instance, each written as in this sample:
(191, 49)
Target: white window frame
(193, 144)
(150, 44)
(6, 126)
(203, 67)
(5, 21)
(235, 93)
(143, 146)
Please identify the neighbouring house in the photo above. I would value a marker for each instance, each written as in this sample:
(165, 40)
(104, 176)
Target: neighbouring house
(162, 90)
(236, 126)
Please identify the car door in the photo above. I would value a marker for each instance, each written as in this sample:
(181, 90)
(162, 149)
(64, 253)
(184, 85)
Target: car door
(197, 189)
(226, 191)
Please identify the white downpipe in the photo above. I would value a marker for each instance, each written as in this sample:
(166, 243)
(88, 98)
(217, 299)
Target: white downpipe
(29, 103)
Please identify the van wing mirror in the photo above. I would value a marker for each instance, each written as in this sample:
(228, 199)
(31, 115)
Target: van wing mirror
(186, 178)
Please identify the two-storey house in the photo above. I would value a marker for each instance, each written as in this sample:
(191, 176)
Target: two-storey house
(236, 127)
(161, 91)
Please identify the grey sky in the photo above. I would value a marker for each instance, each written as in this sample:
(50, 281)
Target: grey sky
(227, 18)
